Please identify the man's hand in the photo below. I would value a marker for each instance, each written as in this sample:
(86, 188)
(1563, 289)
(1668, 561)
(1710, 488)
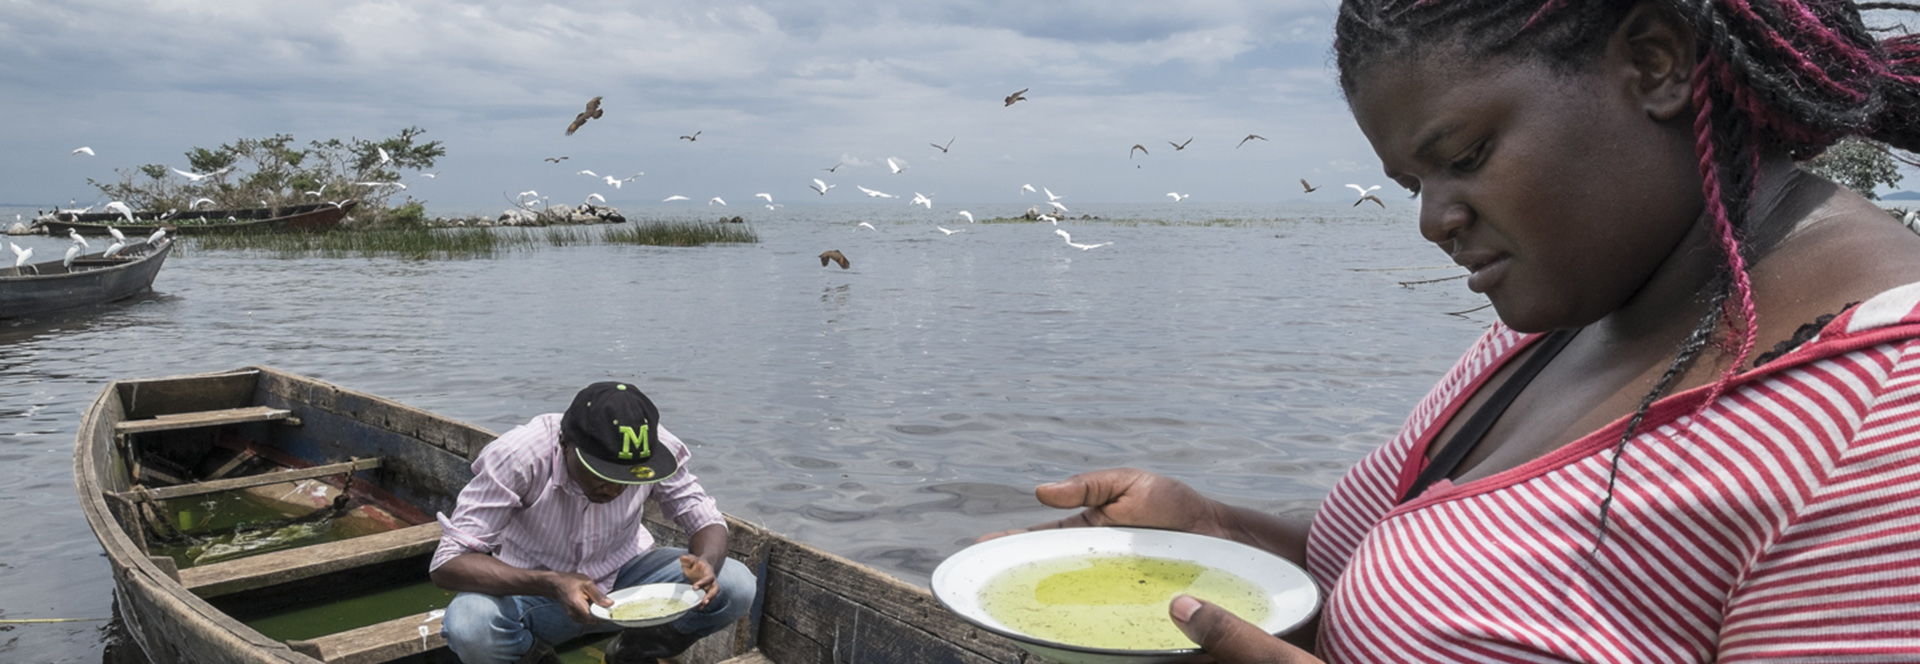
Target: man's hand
(575, 591)
(701, 575)
(1127, 497)
(1229, 639)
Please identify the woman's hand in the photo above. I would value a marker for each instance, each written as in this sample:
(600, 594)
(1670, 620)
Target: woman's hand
(701, 575)
(575, 591)
(1127, 497)
(1230, 640)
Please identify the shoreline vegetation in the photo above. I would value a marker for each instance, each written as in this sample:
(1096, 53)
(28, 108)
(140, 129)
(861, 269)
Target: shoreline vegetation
(454, 242)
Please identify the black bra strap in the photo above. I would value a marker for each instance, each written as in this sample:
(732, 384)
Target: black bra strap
(1476, 427)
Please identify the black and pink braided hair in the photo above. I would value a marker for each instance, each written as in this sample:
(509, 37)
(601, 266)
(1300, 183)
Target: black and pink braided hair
(1797, 75)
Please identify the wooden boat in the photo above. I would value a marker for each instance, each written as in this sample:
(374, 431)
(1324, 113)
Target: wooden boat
(296, 218)
(38, 288)
(147, 446)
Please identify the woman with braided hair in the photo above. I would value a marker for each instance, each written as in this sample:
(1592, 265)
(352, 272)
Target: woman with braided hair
(1616, 472)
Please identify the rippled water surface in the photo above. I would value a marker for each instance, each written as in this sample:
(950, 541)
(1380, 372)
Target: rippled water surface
(889, 413)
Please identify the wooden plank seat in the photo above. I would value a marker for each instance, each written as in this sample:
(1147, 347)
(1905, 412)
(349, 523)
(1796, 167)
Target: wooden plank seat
(249, 481)
(376, 643)
(751, 657)
(206, 418)
(270, 569)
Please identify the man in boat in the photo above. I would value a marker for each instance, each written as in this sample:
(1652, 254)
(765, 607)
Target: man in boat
(551, 523)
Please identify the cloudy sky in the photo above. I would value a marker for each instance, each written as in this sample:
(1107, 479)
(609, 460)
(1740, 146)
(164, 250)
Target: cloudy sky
(778, 91)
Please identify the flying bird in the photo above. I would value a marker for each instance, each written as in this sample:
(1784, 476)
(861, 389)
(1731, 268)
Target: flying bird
(945, 230)
(767, 196)
(716, 199)
(834, 256)
(613, 181)
(943, 148)
(1050, 195)
(430, 176)
(895, 165)
(1025, 188)
(196, 177)
(1249, 137)
(1180, 146)
(1062, 232)
(117, 206)
(1310, 188)
(874, 194)
(1177, 197)
(1141, 148)
(83, 150)
(1017, 96)
(822, 187)
(586, 173)
(868, 226)
(555, 159)
(675, 197)
(593, 112)
(968, 215)
(835, 167)
(528, 194)
(382, 184)
(921, 199)
(1057, 206)
(694, 137)
(1367, 195)
(384, 157)
(596, 197)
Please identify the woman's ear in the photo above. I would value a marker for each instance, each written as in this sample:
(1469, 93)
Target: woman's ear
(1658, 45)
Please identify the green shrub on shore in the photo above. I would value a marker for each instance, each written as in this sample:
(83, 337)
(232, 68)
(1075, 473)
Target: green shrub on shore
(420, 243)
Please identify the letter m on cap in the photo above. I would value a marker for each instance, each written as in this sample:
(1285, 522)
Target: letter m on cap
(631, 439)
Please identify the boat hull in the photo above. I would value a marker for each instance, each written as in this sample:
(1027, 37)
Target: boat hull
(308, 218)
(51, 286)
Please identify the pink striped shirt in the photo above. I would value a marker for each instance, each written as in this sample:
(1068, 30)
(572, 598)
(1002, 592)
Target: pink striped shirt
(1780, 524)
(525, 510)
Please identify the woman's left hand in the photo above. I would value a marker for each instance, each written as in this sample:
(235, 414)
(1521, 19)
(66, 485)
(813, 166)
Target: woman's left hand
(1228, 638)
(701, 575)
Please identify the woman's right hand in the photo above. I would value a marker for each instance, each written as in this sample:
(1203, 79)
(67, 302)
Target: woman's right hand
(1127, 497)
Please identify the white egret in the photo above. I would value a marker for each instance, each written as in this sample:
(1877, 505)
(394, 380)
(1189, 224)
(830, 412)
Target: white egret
(117, 235)
(869, 226)
(115, 248)
(1057, 206)
(384, 157)
(1062, 232)
(587, 173)
(822, 187)
(117, 206)
(72, 251)
(430, 176)
(196, 177)
(155, 237)
(968, 215)
(614, 181)
(874, 194)
(196, 203)
(83, 150)
(716, 199)
(1050, 195)
(596, 197)
(1177, 197)
(672, 198)
(396, 185)
(895, 165)
(1913, 220)
(1363, 191)
(77, 240)
(764, 195)
(20, 256)
(922, 200)
(1043, 217)
(529, 194)
(945, 230)
(1025, 188)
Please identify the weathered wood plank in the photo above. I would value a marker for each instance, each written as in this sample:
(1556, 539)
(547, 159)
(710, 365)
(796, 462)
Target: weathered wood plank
(262, 479)
(754, 657)
(854, 631)
(269, 569)
(376, 643)
(204, 418)
(781, 644)
(453, 436)
(880, 594)
(141, 399)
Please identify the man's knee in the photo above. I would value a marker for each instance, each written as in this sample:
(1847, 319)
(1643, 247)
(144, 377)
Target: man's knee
(738, 586)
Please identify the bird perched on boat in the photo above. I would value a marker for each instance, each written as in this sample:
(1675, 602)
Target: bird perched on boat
(822, 187)
(72, 252)
(1141, 148)
(20, 256)
(115, 248)
(1366, 194)
(1310, 188)
(1249, 137)
(833, 256)
(77, 240)
(155, 237)
(593, 112)
(117, 235)
(943, 148)
(1017, 96)
(694, 137)
(1180, 146)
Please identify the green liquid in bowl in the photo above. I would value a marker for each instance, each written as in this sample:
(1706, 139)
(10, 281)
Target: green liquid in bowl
(1112, 601)
(643, 609)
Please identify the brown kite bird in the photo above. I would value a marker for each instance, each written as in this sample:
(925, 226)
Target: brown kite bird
(833, 256)
(1017, 96)
(1141, 148)
(593, 112)
(1310, 188)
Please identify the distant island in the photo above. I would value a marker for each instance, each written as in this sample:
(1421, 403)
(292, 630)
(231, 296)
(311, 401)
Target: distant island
(1902, 196)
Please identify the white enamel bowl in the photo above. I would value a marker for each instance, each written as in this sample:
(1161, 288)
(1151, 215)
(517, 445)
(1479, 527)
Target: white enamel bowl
(958, 580)
(687, 595)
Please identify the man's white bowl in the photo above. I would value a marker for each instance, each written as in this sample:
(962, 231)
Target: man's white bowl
(687, 595)
(959, 578)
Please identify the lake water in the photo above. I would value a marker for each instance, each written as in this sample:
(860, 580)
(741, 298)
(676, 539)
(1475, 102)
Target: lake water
(889, 413)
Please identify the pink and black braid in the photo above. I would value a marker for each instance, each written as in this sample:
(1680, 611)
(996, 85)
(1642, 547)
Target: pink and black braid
(1796, 75)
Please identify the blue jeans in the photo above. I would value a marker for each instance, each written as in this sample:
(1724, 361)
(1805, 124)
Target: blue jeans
(485, 629)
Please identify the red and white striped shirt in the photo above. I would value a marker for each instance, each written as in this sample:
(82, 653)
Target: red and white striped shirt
(1780, 524)
(523, 508)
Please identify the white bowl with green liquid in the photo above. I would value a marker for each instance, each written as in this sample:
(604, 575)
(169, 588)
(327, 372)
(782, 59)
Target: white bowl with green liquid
(1101, 595)
(648, 605)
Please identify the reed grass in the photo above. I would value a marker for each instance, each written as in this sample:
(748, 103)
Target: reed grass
(458, 243)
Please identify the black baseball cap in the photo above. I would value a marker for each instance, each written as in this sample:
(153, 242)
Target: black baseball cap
(615, 430)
